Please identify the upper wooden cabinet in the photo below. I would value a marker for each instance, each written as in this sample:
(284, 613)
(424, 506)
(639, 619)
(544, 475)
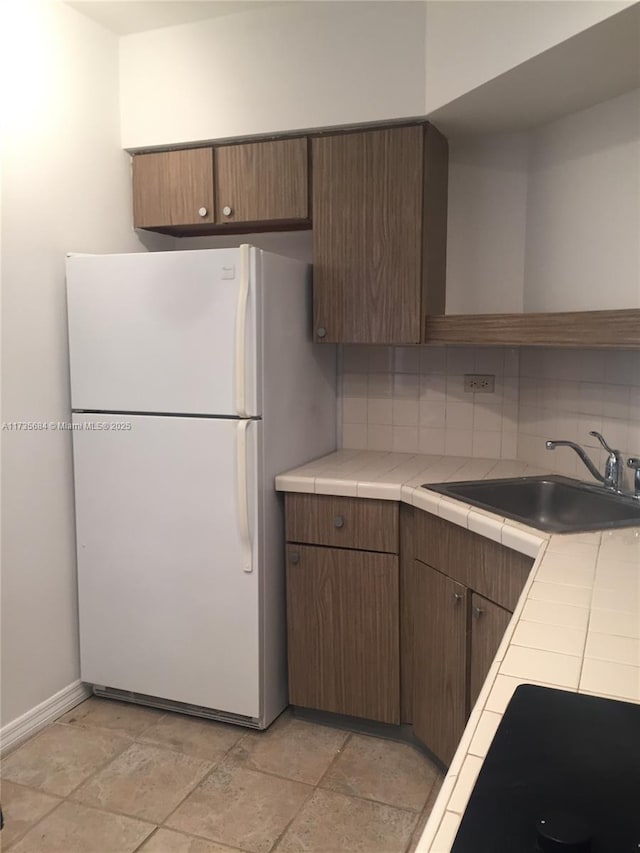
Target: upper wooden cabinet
(262, 181)
(379, 234)
(173, 188)
(194, 191)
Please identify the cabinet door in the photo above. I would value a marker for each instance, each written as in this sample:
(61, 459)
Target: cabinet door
(262, 181)
(173, 188)
(367, 236)
(488, 624)
(342, 624)
(439, 662)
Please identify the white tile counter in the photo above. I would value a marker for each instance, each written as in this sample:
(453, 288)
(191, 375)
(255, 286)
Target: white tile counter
(576, 626)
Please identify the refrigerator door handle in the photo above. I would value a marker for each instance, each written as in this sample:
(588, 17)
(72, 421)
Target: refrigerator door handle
(241, 333)
(242, 495)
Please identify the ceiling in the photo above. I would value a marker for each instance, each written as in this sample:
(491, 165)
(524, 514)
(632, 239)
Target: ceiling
(135, 16)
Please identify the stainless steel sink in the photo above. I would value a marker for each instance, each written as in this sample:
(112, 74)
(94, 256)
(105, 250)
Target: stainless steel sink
(555, 504)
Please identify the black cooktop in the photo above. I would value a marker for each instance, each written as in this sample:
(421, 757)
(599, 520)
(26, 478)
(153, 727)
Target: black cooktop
(562, 774)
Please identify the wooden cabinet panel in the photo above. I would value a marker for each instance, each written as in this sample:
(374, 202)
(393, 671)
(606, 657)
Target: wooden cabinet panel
(440, 660)
(488, 624)
(342, 624)
(367, 235)
(370, 525)
(262, 181)
(171, 187)
(489, 568)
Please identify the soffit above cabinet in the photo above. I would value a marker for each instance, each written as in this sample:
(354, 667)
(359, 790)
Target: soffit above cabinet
(593, 66)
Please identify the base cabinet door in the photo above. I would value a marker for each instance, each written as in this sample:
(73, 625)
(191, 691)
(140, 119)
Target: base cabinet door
(488, 624)
(440, 660)
(343, 634)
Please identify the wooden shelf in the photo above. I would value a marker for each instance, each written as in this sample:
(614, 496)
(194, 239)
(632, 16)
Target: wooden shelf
(619, 328)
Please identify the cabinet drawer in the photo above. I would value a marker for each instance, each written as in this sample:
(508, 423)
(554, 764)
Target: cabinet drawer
(368, 525)
(492, 570)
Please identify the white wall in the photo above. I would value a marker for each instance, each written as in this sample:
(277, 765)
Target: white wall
(284, 67)
(487, 223)
(469, 42)
(583, 210)
(65, 188)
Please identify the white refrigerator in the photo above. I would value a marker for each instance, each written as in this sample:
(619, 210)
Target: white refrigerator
(194, 381)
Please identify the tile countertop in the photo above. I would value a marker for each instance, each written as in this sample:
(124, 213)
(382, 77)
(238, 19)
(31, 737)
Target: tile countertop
(577, 623)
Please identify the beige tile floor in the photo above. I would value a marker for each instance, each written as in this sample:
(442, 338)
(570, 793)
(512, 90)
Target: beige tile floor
(109, 777)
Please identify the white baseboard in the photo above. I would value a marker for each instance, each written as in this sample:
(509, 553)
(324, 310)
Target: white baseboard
(39, 717)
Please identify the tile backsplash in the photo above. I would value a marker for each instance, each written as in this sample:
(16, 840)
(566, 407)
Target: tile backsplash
(566, 393)
(411, 399)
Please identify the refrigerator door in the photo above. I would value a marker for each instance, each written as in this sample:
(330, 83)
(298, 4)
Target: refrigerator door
(168, 538)
(165, 332)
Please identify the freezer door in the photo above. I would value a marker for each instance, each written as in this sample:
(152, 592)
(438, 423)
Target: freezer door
(167, 332)
(168, 572)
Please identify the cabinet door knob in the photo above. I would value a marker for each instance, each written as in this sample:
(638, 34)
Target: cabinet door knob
(294, 558)
(458, 596)
(321, 332)
(338, 521)
(203, 211)
(227, 211)
(477, 612)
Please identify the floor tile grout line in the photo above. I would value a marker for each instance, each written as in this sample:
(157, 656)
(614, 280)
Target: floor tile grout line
(91, 775)
(33, 826)
(335, 758)
(430, 802)
(192, 835)
(29, 828)
(276, 843)
(144, 840)
(70, 795)
(66, 801)
(200, 783)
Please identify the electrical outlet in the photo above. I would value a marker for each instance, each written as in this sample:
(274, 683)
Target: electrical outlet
(480, 383)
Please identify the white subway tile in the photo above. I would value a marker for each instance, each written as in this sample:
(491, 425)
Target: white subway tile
(458, 442)
(354, 436)
(432, 414)
(431, 440)
(379, 437)
(405, 413)
(405, 439)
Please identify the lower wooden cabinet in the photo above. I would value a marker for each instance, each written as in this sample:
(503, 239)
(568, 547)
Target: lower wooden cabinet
(439, 660)
(455, 630)
(456, 637)
(394, 614)
(488, 623)
(342, 623)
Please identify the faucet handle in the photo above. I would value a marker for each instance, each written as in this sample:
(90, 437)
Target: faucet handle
(602, 441)
(634, 462)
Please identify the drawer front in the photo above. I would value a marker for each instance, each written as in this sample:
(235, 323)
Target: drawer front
(368, 525)
(492, 570)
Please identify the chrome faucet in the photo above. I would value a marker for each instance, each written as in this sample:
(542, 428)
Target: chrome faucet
(614, 466)
(634, 462)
